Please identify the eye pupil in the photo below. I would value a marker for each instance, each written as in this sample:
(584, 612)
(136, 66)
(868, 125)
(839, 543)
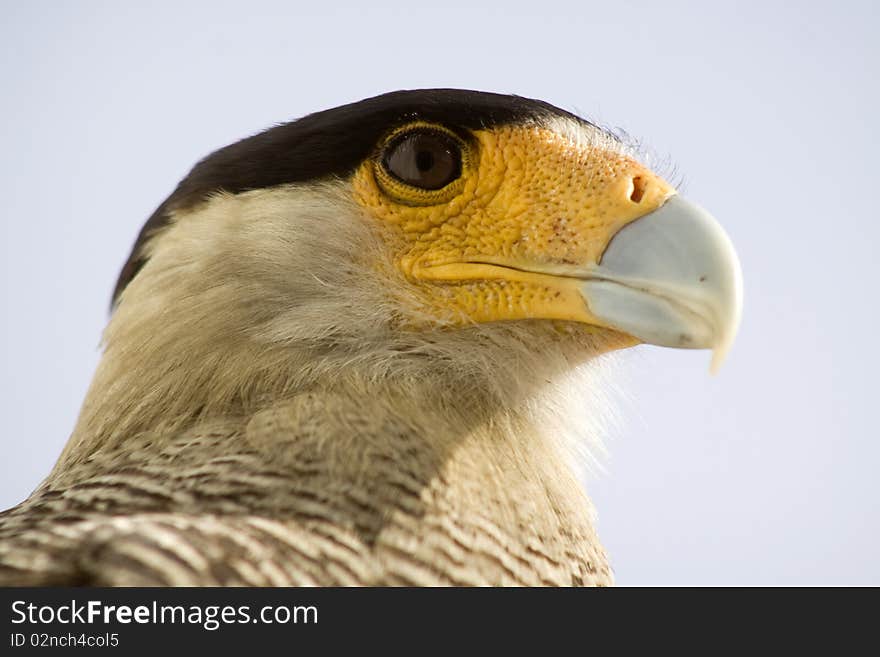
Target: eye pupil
(424, 158)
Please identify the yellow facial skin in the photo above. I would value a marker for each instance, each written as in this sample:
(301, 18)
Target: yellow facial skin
(505, 240)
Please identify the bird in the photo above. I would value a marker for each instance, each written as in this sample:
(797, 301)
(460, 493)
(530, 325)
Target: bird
(367, 347)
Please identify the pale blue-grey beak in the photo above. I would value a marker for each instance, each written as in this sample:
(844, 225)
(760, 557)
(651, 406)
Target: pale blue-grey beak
(670, 278)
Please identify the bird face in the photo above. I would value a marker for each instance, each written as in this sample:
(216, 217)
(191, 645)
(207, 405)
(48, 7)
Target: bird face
(526, 222)
(488, 209)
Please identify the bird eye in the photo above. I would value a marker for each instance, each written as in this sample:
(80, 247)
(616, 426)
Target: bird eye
(424, 158)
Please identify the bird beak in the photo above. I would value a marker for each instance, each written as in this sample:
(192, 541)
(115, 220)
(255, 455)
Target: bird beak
(670, 278)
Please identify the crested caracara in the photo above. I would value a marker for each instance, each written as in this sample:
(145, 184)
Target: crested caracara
(360, 348)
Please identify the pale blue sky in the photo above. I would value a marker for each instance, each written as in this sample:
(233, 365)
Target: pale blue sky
(765, 474)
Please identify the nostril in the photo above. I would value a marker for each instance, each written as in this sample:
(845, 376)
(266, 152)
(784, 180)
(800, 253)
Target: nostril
(638, 191)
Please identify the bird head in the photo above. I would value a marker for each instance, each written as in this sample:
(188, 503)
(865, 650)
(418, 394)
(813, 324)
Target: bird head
(411, 228)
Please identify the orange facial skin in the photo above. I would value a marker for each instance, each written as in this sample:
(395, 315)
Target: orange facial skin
(532, 212)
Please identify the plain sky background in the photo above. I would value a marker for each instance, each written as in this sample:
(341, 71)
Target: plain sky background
(764, 474)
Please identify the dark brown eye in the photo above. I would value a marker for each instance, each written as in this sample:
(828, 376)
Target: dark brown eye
(426, 159)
